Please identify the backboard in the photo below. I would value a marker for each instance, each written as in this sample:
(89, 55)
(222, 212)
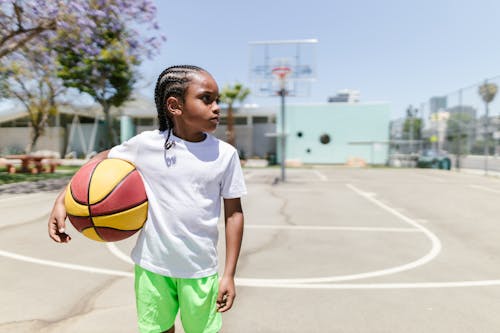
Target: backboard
(267, 58)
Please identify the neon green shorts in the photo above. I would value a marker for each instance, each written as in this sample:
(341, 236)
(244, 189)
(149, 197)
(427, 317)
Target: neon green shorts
(159, 298)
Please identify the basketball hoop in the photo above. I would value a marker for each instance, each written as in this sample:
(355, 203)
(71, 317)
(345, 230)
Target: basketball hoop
(281, 74)
(271, 63)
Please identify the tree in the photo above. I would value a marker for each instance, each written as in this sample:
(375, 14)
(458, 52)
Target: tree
(412, 128)
(22, 23)
(108, 77)
(487, 91)
(229, 95)
(95, 36)
(31, 79)
(102, 64)
(458, 129)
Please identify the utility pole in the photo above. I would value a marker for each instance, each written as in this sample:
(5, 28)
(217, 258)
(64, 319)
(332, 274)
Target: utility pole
(487, 92)
(282, 93)
(409, 116)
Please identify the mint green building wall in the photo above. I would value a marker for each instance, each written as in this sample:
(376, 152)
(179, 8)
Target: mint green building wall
(351, 127)
(127, 128)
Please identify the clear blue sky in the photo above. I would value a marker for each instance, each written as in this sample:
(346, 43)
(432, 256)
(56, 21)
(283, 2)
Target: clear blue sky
(402, 52)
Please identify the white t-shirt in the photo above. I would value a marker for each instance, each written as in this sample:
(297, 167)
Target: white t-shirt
(184, 186)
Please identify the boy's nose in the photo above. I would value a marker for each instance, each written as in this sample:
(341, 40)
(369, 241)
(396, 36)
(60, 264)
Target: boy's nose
(216, 108)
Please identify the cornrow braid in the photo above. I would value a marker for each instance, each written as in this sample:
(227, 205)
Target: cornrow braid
(173, 81)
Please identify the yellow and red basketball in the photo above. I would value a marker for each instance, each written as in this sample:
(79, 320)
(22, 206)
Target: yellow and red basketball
(106, 200)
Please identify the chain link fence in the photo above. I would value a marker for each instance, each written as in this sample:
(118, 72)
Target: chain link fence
(460, 124)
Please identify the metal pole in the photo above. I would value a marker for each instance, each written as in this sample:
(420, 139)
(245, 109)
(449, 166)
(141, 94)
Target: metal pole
(411, 129)
(283, 135)
(486, 140)
(459, 127)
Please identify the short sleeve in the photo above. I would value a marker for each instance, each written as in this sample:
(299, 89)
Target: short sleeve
(233, 183)
(127, 150)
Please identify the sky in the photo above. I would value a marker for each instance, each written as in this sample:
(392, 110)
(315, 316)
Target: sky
(397, 51)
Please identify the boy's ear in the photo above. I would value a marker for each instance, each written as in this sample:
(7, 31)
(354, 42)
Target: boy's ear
(174, 106)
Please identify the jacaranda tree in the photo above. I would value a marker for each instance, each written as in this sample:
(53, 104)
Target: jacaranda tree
(91, 45)
(23, 22)
(30, 79)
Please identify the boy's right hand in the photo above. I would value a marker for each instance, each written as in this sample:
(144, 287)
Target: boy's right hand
(57, 222)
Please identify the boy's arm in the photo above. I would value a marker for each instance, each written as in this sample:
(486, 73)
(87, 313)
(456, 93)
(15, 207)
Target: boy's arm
(233, 215)
(57, 217)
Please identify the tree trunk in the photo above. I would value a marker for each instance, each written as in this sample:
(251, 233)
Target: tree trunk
(109, 137)
(35, 135)
(230, 126)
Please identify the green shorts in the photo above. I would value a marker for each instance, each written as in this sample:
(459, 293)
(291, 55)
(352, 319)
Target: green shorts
(159, 298)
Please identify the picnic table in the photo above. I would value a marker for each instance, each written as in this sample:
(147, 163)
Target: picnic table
(31, 163)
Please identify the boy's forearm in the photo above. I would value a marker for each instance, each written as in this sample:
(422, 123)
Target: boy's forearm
(234, 236)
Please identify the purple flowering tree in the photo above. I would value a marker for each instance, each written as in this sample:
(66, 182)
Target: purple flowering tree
(25, 22)
(31, 81)
(91, 45)
(103, 65)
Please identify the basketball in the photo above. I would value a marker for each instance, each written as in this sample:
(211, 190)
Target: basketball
(106, 200)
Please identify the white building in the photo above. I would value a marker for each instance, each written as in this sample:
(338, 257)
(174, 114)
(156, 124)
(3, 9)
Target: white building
(345, 96)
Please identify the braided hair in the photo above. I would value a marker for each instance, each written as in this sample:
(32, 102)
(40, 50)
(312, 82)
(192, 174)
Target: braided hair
(173, 81)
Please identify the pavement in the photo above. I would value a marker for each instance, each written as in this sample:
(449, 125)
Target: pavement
(34, 187)
(333, 249)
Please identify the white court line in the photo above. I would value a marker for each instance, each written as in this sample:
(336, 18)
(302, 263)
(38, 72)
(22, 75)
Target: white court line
(249, 175)
(433, 178)
(484, 188)
(320, 175)
(434, 251)
(88, 269)
(303, 283)
(118, 253)
(417, 285)
(328, 228)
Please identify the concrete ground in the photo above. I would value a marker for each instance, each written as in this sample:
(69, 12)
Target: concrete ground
(331, 250)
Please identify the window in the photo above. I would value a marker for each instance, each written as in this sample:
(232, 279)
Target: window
(260, 120)
(324, 139)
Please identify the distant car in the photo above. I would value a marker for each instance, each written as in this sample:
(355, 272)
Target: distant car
(434, 159)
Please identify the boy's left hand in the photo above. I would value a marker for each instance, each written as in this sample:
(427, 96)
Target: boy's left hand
(227, 293)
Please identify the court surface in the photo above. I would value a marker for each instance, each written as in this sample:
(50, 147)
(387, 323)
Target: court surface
(332, 250)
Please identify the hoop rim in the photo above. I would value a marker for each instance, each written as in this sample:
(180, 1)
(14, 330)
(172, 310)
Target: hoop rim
(281, 71)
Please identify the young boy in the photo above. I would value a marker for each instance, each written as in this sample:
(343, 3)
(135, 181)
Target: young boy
(186, 171)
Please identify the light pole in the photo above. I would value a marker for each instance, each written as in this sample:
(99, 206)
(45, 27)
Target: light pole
(282, 93)
(487, 92)
(281, 74)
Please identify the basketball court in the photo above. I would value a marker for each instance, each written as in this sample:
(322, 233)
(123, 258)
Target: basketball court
(331, 250)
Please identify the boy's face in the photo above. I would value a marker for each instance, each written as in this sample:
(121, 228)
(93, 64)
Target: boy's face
(200, 110)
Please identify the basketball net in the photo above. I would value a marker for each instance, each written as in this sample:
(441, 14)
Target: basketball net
(281, 73)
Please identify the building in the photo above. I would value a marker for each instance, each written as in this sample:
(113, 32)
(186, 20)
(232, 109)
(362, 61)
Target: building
(331, 133)
(438, 103)
(345, 96)
(335, 133)
(463, 109)
(396, 129)
(77, 131)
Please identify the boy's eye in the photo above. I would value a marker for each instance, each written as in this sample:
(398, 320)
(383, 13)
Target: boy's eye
(208, 99)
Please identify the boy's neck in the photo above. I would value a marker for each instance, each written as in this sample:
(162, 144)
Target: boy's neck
(190, 137)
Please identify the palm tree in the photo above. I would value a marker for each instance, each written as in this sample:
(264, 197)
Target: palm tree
(487, 91)
(229, 95)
